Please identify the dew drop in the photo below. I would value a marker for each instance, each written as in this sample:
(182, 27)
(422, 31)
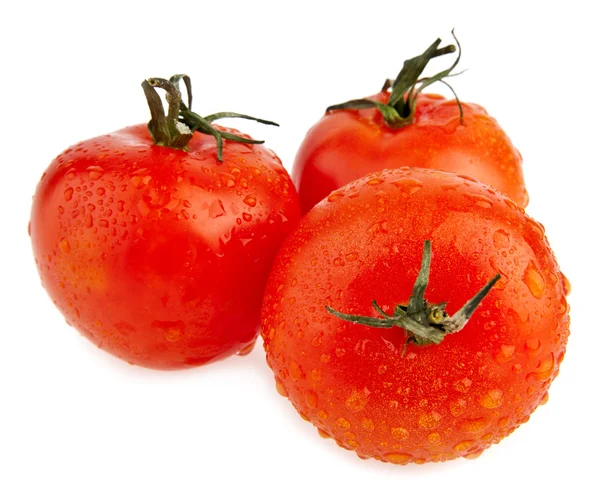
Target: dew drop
(492, 399)
(501, 239)
(400, 433)
(374, 181)
(505, 353)
(357, 401)
(216, 209)
(534, 280)
(343, 423)
(311, 398)
(95, 172)
(463, 445)
(430, 420)
(463, 385)
(335, 196)
(250, 200)
(247, 217)
(68, 194)
(408, 185)
(544, 370)
(65, 246)
(398, 458)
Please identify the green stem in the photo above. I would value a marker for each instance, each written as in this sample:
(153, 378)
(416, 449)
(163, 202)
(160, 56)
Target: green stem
(424, 322)
(401, 106)
(176, 128)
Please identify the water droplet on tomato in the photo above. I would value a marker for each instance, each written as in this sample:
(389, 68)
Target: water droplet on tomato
(89, 221)
(463, 385)
(311, 398)
(463, 445)
(480, 200)
(408, 185)
(250, 200)
(65, 246)
(95, 172)
(216, 209)
(374, 181)
(356, 401)
(534, 280)
(501, 239)
(506, 353)
(335, 196)
(398, 458)
(492, 399)
(400, 433)
(68, 193)
(475, 425)
(566, 284)
(280, 387)
(246, 349)
(429, 420)
(544, 370)
(343, 423)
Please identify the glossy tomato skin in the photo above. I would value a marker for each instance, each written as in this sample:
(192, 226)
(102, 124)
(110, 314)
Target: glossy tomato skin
(348, 144)
(160, 256)
(436, 402)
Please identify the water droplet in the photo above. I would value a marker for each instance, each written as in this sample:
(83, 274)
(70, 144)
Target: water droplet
(68, 194)
(408, 185)
(458, 407)
(505, 353)
(534, 280)
(463, 445)
(317, 340)
(566, 284)
(103, 223)
(65, 246)
(472, 456)
(367, 424)
(400, 433)
(312, 400)
(374, 181)
(434, 438)
(216, 209)
(296, 371)
(95, 172)
(475, 425)
(250, 200)
(280, 388)
(480, 200)
(398, 458)
(338, 262)
(315, 375)
(323, 434)
(501, 239)
(357, 401)
(492, 399)
(343, 423)
(335, 196)
(430, 420)
(246, 349)
(544, 370)
(463, 385)
(89, 221)
(322, 414)
(247, 217)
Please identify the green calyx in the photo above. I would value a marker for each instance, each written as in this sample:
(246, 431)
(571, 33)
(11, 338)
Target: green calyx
(400, 108)
(176, 128)
(424, 322)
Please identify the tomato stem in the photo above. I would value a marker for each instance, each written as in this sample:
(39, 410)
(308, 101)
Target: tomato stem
(424, 322)
(176, 128)
(400, 109)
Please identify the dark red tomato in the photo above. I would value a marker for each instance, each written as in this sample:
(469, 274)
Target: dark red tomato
(347, 144)
(157, 255)
(366, 387)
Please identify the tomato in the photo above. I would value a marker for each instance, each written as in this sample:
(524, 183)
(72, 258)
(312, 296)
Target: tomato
(346, 144)
(385, 392)
(159, 255)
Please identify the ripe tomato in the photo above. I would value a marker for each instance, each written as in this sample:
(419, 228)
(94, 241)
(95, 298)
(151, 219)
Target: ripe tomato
(418, 130)
(159, 255)
(368, 388)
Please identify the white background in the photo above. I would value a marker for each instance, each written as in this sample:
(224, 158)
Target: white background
(71, 414)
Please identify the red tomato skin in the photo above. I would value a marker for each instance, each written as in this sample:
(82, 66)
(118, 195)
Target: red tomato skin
(345, 145)
(435, 403)
(160, 256)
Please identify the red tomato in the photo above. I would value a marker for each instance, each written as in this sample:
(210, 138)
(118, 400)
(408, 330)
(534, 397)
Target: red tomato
(368, 388)
(158, 255)
(347, 144)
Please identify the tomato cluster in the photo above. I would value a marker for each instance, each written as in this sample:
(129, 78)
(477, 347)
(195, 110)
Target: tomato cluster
(414, 313)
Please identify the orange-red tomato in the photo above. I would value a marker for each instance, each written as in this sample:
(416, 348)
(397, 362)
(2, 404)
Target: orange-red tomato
(347, 144)
(157, 255)
(360, 385)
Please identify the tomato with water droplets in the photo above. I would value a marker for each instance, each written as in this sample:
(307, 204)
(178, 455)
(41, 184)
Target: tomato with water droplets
(406, 128)
(389, 393)
(160, 255)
